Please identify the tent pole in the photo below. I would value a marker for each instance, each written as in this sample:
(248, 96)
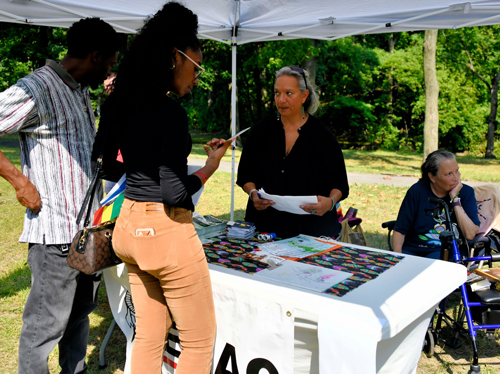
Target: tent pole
(233, 98)
(233, 122)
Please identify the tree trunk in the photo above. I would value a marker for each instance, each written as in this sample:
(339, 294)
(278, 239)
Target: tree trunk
(492, 118)
(391, 81)
(311, 64)
(431, 125)
(392, 43)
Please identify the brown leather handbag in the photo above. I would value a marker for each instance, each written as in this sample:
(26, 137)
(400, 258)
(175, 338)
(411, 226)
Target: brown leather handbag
(92, 249)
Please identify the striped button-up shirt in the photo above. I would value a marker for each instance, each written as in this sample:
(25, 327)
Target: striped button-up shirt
(53, 115)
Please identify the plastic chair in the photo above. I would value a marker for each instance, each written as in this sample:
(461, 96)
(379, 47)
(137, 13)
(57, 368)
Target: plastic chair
(488, 210)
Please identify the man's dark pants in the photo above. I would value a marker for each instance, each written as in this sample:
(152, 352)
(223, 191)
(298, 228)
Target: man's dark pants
(56, 312)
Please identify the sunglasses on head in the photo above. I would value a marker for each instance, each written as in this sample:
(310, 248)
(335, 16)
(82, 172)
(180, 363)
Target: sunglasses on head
(300, 71)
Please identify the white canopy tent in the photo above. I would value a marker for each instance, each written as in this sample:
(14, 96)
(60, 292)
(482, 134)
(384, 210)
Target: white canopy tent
(259, 20)
(237, 22)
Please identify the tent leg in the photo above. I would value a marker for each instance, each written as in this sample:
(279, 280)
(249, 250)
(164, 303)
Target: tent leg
(233, 125)
(102, 360)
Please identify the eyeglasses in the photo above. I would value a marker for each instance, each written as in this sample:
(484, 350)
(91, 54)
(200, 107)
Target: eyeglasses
(199, 71)
(300, 71)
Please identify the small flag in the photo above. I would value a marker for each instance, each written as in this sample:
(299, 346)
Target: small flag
(117, 189)
(109, 211)
(112, 203)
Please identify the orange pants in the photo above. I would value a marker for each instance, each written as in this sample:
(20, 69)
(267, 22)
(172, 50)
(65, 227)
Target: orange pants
(169, 280)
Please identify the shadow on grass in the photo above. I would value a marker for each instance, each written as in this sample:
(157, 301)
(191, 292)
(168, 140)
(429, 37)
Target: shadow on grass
(487, 348)
(399, 162)
(477, 161)
(9, 143)
(239, 214)
(376, 240)
(19, 280)
(115, 353)
(10, 148)
(15, 281)
(393, 161)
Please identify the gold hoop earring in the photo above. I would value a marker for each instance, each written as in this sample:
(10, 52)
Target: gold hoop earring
(173, 67)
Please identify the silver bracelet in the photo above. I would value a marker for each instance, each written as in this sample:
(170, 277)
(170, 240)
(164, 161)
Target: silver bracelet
(250, 193)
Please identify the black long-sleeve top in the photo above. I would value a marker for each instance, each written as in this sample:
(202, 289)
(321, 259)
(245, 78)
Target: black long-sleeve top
(154, 142)
(314, 166)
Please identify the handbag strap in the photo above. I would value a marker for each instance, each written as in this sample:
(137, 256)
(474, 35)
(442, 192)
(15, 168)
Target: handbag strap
(89, 196)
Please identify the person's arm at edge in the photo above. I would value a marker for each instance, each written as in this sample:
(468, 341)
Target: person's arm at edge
(397, 241)
(338, 171)
(26, 192)
(259, 204)
(336, 195)
(249, 165)
(180, 187)
(251, 189)
(18, 110)
(468, 227)
(215, 150)
(405, 219)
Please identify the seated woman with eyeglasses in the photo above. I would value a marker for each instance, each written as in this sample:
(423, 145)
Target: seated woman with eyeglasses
(293, 154)
(416, 231)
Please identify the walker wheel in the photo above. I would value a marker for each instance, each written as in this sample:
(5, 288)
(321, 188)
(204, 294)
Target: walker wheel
(429, 344)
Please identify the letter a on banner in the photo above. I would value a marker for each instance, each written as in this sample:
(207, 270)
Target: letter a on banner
(227, 353)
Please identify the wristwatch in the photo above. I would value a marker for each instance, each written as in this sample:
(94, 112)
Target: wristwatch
(456, 202)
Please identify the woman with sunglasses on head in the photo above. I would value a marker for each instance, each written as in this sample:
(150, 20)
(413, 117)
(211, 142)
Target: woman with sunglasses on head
(154, 234)
(293, 154)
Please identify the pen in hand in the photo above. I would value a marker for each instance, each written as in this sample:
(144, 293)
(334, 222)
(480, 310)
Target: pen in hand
(221, 144)
(234, 137)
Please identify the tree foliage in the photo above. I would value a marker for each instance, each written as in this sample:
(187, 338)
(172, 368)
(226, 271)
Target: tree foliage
(473, 53)
(371, 86)
(25, 48)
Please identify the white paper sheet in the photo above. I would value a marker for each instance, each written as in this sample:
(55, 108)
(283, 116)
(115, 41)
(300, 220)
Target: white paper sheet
(303, 275)
(299, 246)
(290, 204)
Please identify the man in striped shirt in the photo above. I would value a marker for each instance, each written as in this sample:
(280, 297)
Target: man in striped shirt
(51, 111)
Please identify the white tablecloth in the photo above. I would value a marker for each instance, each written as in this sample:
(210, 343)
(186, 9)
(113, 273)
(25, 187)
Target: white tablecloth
(378, 327)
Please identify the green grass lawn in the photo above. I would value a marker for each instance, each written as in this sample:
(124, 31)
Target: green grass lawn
(375, 204)
(385, 162)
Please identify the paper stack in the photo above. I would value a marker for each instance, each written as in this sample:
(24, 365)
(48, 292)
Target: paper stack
(241, 230)
(208, 226)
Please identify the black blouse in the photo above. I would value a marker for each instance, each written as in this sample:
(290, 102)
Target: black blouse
(155, 142)
(314, 166)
